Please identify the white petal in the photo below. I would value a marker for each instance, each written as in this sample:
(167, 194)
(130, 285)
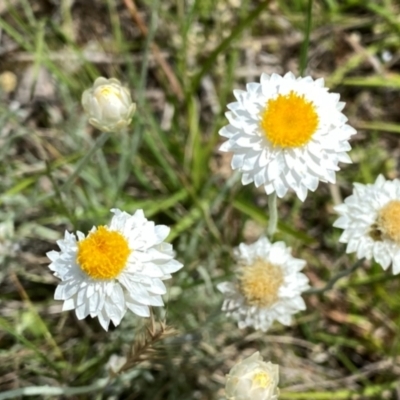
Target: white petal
(142, 311)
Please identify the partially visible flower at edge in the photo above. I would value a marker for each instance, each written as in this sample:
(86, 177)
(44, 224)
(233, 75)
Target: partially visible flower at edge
(287, 133)
(268, 285)
(253, 379)
(370, 219)
(108, 104)
(114, 268)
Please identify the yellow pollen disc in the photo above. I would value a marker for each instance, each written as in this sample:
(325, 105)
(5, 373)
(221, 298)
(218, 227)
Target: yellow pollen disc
(261, 380)
(289, 120)
(388, 222)
(103, 254)
(259, 283)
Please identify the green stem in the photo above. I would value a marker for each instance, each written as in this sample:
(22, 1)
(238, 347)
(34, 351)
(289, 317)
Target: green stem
(273, 215)
(97, 145)
(306, 41)
(335, 278)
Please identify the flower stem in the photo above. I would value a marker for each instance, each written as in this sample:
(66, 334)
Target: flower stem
(335, 278)
(97, 145)
(306, 41)
(273, 215)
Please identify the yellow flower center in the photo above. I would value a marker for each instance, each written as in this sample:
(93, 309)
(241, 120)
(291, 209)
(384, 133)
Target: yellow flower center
(103, 253)
(259, 283)
(108, 92)
(387, 226)
(289, 120)
(261, 380)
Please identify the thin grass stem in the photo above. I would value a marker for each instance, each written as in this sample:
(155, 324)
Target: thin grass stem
(335, 278)
(97, 145)
(306, 41)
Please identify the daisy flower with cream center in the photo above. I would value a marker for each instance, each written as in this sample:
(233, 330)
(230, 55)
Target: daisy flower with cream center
(267, 286)
(370, 218)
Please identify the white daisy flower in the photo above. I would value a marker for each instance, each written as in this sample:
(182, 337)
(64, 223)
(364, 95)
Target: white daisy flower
(253, 379)
(370, 218)
(268, 285)
(114, 268)
(287, 133)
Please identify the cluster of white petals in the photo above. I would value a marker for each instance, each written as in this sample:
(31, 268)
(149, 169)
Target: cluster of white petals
(108, 104)
(139, 283)
(298, 166)
(253, 379)
(370, 218)
(250, 309)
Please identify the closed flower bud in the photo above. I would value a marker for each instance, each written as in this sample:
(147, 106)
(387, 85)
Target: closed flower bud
(108, 104)
(253, 379)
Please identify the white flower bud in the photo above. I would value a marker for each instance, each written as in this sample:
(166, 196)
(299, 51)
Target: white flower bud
(253, 379)
(108, 104)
